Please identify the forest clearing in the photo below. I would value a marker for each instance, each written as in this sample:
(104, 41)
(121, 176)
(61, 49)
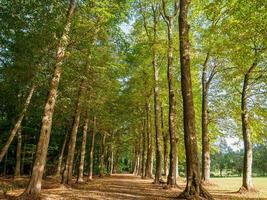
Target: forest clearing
(133, 99)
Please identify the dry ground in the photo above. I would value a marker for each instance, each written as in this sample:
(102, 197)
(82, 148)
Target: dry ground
(129, 187)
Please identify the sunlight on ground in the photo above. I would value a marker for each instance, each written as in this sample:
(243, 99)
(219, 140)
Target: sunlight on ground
(129, 187)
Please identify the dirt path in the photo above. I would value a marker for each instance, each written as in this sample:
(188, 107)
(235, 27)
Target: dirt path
(115, 187)
(120, 187)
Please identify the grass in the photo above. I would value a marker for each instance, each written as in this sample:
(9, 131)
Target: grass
(229, 187)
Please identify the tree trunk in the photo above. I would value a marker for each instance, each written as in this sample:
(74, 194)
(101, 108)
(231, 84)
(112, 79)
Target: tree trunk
(148, 169)
(91, 151)
(158, 174)
(171, 181)
(111, 161)
(83, 149)
(205, 178)
(247, 184)
(67, 174)
(143, 149)
(15, 128)
(194, 189)
(18, 154)
(165, 146)
(60, 159)
(102, 156)
(34, 187)
(172, 103)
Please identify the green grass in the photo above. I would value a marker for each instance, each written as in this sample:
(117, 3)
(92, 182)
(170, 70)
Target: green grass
(228, 187)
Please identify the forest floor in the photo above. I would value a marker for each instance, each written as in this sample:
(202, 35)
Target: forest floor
(129, 187)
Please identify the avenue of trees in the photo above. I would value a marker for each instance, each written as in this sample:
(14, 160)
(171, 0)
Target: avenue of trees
(158, 88)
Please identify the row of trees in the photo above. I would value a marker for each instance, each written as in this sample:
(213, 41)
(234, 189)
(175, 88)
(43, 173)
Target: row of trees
(125, 88)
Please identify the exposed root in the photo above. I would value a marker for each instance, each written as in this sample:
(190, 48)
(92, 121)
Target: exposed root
(193, 195)
(244, 190)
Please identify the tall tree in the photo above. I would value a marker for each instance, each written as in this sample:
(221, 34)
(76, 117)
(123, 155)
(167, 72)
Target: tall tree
(34, 187)
(17, 125)
(67, 174)
(18, 154)
(83, 149)
(169, 19)
(194, 189)
(91, 150)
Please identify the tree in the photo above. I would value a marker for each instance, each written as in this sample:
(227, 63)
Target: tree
(17, 125)
(194, 188)
(169, 19)
(34, 186)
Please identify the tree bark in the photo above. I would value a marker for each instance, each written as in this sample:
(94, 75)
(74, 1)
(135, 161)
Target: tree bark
(148, 168)
(165, 146)
(194, 189)
(60, 159)
(247, 184)
(158, 174)
(143, 149)
(83, 149)
(34, 187)
(18, 154)
(102, 156)
(91, 151)
(67, 174)
(171, 94)
(205, 177)
(17, 125)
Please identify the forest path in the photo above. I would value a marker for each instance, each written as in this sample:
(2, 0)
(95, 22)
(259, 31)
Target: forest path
(115, 187)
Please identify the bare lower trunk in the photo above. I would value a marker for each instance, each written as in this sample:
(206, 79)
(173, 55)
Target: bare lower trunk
(34, 187)
(83, 149)
(165, 146)
(111, 162)
(143, 149)
(247, 184)
(205, 178)
(67, 174)
(18, 153)
(16, 126)
(60, 159)
(102, 156)
(91, 151)
(148, 169)
(194, 189)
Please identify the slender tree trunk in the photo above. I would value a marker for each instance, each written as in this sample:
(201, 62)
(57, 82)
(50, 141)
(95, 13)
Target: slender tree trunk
(171, 94)
(247, 184)
(91, 151)
(5, 163)
(158, 174)
(83, 149)
(165, 146)
(172, 115)
(111, 161)
(205, 120)
(67, 174)
(18, 154)
(23, 154)
(194, 189)
(34, 187)
(148, 169)
(102, 156)
(143, 150)
(17, 125)
(60, 159)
